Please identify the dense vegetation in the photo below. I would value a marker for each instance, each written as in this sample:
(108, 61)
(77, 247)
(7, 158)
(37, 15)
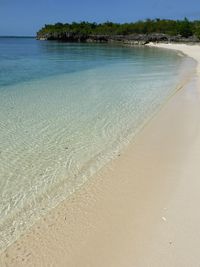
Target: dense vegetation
(184, 28)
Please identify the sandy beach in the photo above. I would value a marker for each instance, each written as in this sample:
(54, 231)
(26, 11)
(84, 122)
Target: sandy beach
(140, 210)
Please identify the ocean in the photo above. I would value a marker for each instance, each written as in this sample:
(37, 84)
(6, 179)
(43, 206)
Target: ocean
(66, 110)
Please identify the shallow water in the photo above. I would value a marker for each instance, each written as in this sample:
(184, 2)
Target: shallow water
(65, 111)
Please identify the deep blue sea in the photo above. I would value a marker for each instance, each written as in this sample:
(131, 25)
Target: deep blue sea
(66, 110)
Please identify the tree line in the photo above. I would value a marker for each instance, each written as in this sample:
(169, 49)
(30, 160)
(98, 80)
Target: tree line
(184, 28)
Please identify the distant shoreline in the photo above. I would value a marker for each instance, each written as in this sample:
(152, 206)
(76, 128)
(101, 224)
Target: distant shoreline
(140, 32)
(133, 39)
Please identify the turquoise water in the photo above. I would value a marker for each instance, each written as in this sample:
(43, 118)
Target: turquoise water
(65, 111)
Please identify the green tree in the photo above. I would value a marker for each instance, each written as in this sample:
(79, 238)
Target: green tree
(185, 28)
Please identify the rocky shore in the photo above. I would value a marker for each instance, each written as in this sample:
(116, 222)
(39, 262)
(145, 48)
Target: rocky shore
(132, 39)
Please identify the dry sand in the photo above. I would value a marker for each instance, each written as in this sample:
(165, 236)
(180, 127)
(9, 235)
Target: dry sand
(141, 210)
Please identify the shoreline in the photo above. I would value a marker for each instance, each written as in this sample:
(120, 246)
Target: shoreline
(129, 215)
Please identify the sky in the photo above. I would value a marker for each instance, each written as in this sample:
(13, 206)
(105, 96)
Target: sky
(26, 17)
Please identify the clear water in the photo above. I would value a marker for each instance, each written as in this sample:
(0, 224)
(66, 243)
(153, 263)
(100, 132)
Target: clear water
(65, 111)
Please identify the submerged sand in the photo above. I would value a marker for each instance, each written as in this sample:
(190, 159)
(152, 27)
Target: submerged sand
(141, 210)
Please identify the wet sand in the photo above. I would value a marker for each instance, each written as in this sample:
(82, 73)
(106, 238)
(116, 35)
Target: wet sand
(140, 210)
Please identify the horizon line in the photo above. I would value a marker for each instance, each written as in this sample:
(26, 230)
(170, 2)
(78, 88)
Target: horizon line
(17, 36)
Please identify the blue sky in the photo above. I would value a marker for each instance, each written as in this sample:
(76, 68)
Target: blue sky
(25, 17)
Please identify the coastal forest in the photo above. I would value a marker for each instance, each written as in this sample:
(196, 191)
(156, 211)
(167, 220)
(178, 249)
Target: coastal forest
(183, 28)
